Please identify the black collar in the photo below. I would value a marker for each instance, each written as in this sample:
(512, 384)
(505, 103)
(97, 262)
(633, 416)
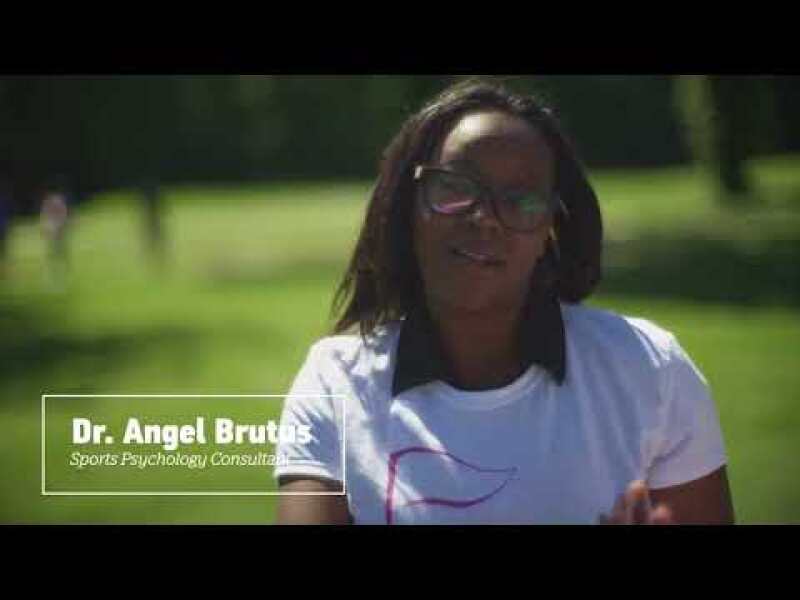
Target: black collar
(420, 359)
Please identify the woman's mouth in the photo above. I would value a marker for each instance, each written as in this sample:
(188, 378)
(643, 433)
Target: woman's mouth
(477, 256)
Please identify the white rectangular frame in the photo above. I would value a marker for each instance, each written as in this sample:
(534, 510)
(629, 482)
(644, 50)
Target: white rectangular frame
(44, 491)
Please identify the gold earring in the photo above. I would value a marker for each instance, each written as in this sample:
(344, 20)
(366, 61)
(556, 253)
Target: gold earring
(554, 238)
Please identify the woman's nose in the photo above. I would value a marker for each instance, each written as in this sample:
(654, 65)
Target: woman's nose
(483, 215)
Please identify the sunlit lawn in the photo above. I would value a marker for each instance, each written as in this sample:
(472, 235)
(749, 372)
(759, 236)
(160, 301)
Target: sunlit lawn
(247, 287)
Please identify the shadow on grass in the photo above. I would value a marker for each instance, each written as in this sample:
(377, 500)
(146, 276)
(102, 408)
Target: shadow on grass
(766, 272)
(264, 276)
(32, 350)
(784, 196)
(706, 270)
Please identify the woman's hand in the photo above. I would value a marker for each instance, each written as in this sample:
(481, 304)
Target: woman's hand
(635, 507)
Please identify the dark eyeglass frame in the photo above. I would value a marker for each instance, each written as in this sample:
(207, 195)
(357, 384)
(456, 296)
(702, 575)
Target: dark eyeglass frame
(485, 192)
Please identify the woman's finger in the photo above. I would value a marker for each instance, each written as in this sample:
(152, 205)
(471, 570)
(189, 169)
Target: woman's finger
(636, 503)
(618, 513)
(634, 507)
(661, 515)
(642, 504)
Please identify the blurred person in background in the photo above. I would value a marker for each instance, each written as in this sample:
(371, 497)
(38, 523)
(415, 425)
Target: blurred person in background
(53, 218)
(5, 220)
(153, 209)
(475, 386)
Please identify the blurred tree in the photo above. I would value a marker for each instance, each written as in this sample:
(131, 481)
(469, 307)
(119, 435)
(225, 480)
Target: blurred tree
(787, 117)
(5, 220)
(726, 121)
(153, 220)
(117, 131)
(89, 133)
(620, 120)
(732, 131)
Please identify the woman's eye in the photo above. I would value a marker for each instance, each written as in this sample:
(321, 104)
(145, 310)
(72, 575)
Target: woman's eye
(451, 191)
(460, 186)
(529, 203)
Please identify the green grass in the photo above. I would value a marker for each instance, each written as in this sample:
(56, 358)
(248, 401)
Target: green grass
(250, 275)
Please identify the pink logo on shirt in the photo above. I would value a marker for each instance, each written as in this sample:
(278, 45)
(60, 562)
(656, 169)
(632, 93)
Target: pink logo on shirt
(474, 487)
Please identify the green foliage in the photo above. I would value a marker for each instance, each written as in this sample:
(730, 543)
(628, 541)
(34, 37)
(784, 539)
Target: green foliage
(725, 121)
(111, 131)
(693, 105)
(94, 133)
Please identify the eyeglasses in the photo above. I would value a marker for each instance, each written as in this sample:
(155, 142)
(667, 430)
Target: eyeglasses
(447, 192)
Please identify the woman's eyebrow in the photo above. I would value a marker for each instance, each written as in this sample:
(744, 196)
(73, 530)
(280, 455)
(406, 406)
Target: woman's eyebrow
(463, 165)
(470, 169)
(519, 189)
(467, 167)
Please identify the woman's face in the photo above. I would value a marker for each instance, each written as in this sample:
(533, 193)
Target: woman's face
(470, 261)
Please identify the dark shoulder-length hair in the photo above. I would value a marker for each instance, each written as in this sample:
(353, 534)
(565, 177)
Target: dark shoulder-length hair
(382, 282)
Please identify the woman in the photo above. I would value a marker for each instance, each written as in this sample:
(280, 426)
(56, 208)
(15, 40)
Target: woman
(478, 389)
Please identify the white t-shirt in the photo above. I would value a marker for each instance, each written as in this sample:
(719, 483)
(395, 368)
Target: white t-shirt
(633, 406)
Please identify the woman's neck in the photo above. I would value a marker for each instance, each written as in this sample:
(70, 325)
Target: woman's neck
(481, 348)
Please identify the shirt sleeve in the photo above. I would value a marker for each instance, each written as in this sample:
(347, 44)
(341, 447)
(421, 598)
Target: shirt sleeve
(691, 444)
(307, 405)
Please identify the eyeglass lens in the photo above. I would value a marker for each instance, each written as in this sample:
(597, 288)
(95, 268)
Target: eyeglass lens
(452, 194)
